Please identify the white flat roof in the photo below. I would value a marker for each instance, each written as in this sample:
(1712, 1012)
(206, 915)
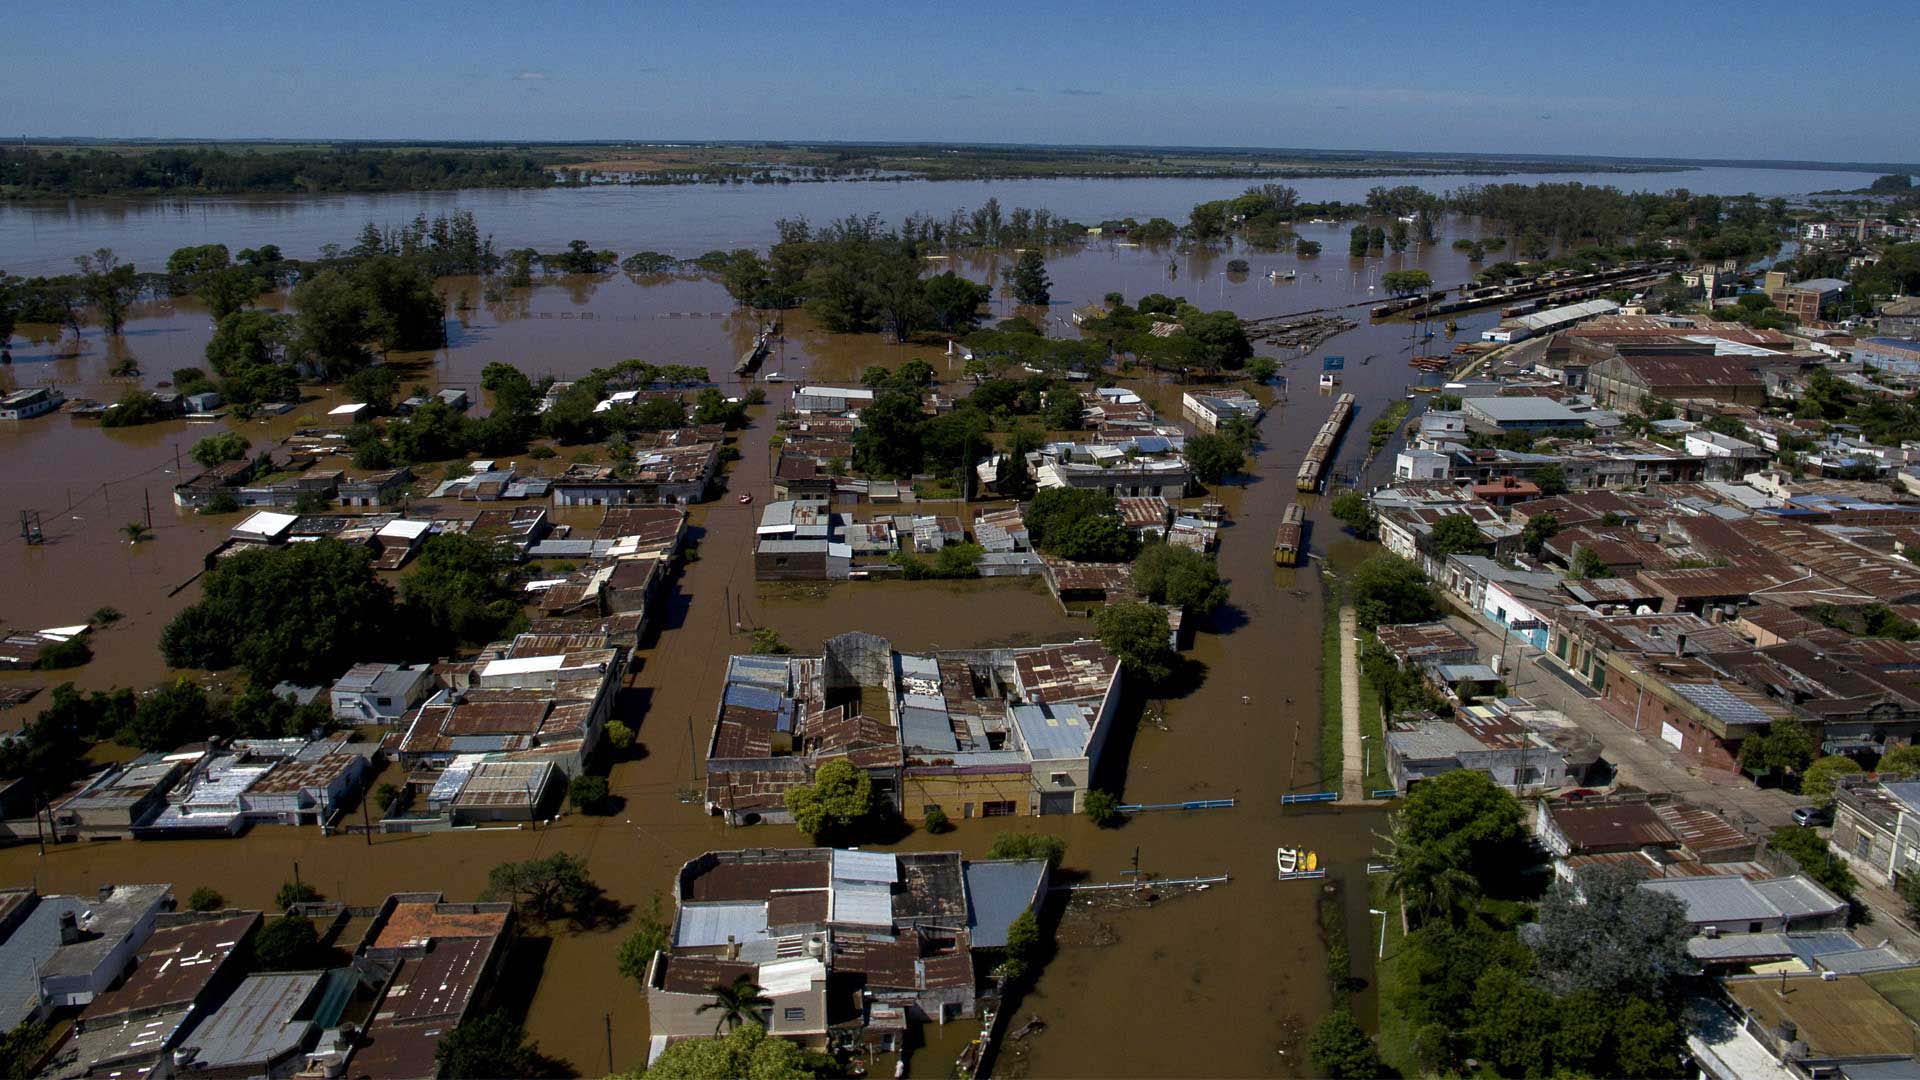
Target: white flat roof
(783, 977)
(347, 410)
(267, 523)
(405, 529)
(523, 665)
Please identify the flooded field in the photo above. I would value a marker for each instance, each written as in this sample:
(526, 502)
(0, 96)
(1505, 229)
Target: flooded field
(1225, 981)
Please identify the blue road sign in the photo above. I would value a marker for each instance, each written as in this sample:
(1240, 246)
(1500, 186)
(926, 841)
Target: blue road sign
(1334, 363)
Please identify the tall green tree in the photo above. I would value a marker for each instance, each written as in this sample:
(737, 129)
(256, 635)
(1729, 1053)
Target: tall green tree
(1029, 281)
(1338, 1049)
(1388, 589)
(1139, 636)
(304, 613)
(110, 285)
(1179, 577)
(838, 800)
(1605, 934)
(955, 301)
(458, 593)
(1214, 458)
(545, 886)
(1456, 534)
(488, 1047)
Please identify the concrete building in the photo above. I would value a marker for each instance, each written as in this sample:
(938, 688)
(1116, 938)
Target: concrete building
(1802, 299)
(120, 798)
(1208, 410)
(899, 931)
(1535, 414)
(67, 950)
(380, 693)
(445, 957)
(978, 733)
(1876, 827)
(669, 475)
(834, 400)
(377, 488)
(521, 701)
(1728, 904)
(184, 968)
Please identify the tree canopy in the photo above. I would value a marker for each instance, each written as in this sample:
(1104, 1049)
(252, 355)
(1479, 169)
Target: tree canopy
(1605, 934)
(488, 1047)
(1388, 589)
(545, 886)
(1139, 635)
(1078, 524)
(746, 1051)
(1456, 534)
(303, 613)
(1180, 577)
(839, 798)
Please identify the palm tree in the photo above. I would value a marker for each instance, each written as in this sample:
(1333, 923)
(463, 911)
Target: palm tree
(136, 532)
(1428, 877)
(740, 1002)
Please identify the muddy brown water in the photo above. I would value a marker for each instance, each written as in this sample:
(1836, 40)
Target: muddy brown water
(1224, 980)
(42, 237)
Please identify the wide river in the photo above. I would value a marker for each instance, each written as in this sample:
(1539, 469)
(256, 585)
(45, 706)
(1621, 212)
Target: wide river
(43, 238)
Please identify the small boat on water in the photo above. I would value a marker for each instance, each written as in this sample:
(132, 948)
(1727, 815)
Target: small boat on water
(1296, 860)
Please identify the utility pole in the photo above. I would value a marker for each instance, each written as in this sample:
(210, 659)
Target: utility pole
(149, 500)
(366, 818)
(608, 1017)
(693, 760)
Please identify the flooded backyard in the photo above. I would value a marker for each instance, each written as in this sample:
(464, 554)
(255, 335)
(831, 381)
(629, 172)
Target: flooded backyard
(1221, 982)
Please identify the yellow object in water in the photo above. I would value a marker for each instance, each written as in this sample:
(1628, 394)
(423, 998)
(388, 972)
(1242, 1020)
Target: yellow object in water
(1313, 860)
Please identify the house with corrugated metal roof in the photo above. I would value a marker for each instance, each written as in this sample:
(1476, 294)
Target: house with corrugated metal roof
(901, 932)
(978, 733)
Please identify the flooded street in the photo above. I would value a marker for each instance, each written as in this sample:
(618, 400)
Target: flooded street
(1219, 983)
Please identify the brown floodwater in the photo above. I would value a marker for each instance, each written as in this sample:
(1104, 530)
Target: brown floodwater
(1229, 977)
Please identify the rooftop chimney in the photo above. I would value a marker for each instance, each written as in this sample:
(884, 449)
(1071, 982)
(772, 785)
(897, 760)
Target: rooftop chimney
(69, 928)
(733, 948)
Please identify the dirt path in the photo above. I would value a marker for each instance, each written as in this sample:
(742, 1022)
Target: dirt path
(1353, 777)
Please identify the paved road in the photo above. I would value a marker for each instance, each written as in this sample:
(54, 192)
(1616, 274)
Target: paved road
(1353, 777)
(1647, 765)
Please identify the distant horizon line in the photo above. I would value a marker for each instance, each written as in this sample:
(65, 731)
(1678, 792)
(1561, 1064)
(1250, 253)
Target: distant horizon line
(1327, 152)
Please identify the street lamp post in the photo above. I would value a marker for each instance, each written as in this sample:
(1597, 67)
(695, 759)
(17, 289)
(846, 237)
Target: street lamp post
(1383, 930)
(1366, 756)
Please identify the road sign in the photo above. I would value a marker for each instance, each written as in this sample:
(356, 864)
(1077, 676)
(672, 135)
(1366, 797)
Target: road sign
(1334, 363)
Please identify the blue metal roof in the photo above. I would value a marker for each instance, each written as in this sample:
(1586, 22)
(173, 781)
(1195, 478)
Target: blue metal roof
(1052, 731)
(926, 729)
(997, 893)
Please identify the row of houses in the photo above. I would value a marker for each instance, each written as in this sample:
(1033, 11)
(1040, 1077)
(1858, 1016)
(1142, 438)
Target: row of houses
(979, 733)
(160, 994)
(850, 949)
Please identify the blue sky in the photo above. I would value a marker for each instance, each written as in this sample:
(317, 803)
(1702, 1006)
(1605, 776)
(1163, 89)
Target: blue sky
(1759, 80)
